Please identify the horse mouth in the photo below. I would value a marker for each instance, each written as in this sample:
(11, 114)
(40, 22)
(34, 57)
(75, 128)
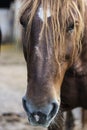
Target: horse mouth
(41, 123)
(40, 120)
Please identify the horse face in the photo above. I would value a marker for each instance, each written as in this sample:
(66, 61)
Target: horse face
(42, 100)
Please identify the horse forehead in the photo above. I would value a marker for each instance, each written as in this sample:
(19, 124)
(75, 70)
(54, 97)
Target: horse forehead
(41, 13)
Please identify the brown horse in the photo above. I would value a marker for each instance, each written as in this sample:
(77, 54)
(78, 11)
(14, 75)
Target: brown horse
(55, 49)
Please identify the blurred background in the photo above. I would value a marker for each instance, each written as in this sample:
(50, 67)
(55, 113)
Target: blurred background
(13, 80)
(9, 22)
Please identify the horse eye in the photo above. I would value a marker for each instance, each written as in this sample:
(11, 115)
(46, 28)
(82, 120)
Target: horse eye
(70, 28)
(22, 22)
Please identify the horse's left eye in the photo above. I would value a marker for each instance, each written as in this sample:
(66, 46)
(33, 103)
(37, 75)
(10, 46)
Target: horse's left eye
(70, 27)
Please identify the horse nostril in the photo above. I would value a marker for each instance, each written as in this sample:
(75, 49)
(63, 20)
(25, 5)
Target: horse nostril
(24, 104)
(54, 110)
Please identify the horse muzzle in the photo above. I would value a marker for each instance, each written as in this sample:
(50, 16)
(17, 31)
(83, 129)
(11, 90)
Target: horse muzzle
(40, 116)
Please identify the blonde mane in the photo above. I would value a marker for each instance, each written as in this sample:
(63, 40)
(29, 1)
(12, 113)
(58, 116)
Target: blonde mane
(61, 11)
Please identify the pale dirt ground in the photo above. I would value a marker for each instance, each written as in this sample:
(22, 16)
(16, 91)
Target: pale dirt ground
(12, 87)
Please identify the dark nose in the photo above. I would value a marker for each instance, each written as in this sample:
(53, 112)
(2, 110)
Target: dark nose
(40, 115)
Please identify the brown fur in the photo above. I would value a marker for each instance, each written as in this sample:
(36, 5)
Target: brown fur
(56, 57)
